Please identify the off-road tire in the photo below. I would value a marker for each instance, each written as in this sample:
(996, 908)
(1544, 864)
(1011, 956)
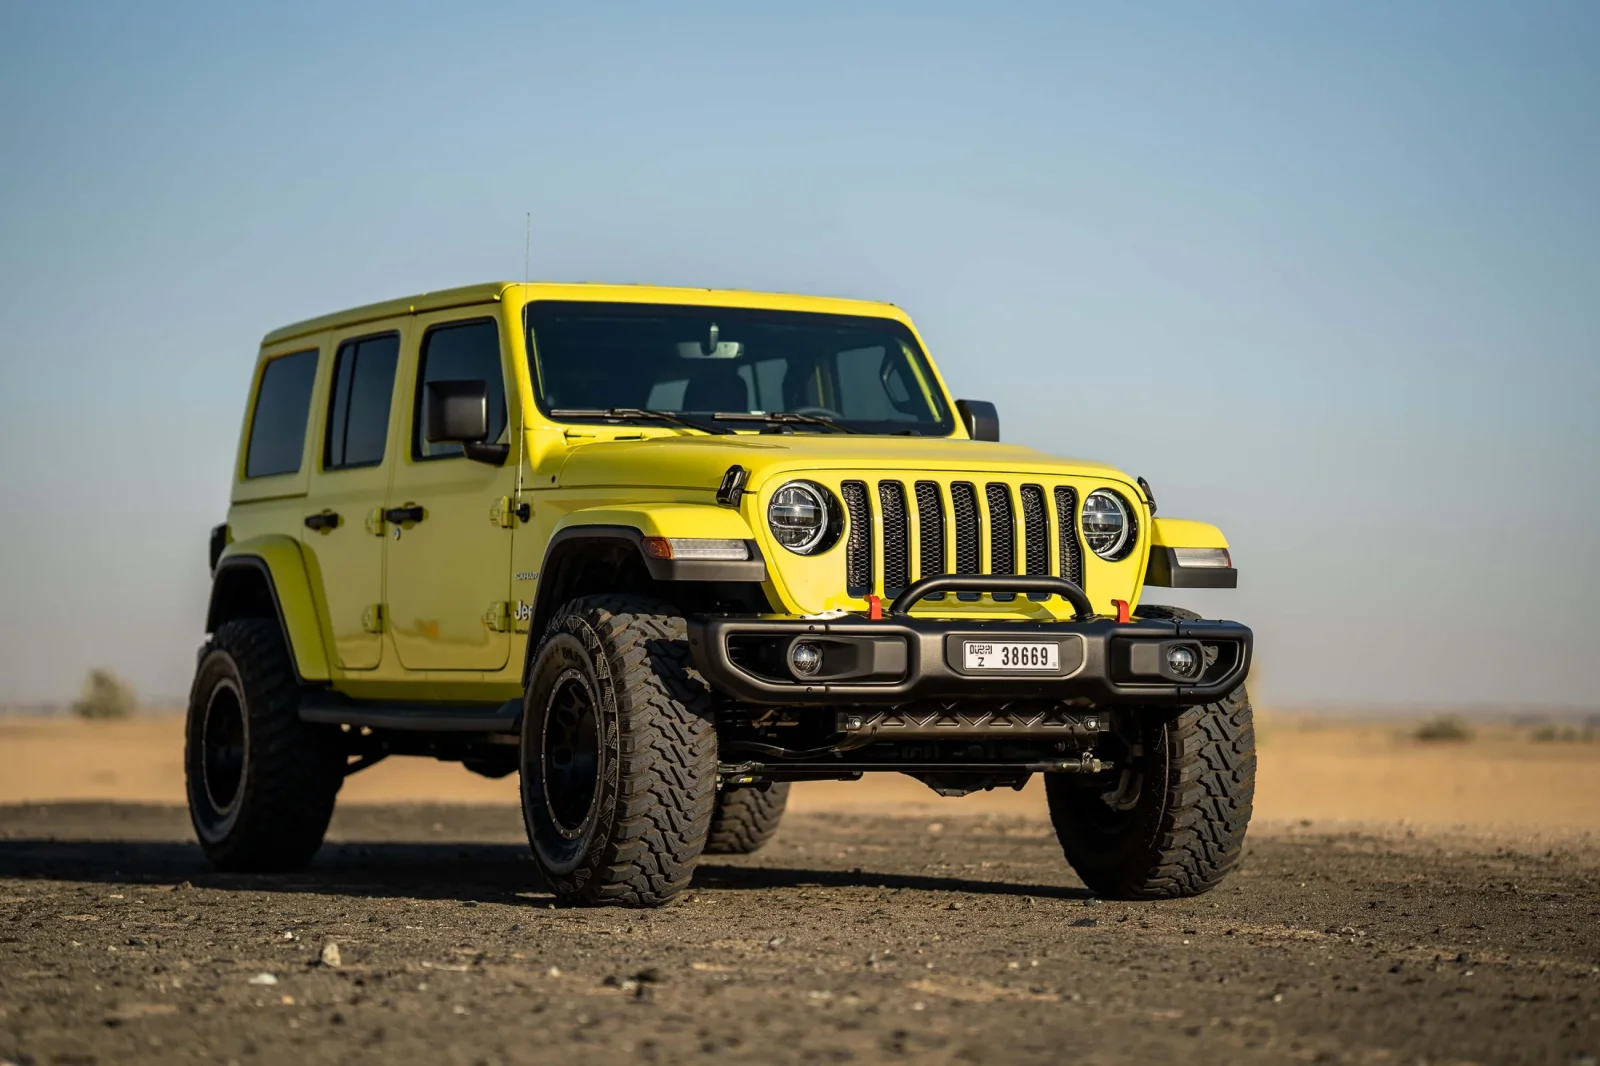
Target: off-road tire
(1185, 830)
(746, 818)
(633, 838)
(262, 790)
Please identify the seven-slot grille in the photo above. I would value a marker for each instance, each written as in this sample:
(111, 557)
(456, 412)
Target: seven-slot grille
(952, 531)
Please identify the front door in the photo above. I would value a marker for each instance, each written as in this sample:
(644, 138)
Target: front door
(448, 575)
(342, 537)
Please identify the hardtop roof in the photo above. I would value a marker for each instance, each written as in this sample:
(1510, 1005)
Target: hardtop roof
(489, 292)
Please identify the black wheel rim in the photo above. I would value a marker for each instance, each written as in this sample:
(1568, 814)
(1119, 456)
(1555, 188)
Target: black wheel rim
(569, 754)
(222, 747)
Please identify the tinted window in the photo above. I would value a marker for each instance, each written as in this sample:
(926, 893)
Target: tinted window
(468, 351)
(358, 417)
(278, 427)
(868, 373)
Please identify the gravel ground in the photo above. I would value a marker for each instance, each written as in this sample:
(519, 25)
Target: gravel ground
(421, 935)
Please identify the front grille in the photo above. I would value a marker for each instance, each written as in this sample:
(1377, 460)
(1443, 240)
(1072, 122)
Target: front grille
(896, 537)
(1067, 525)
(1002, 530)
(969, 552)
(930, 530)
(1035, 534)
(964, 502)
(952, 527)
(1002, 534)
(858, 545)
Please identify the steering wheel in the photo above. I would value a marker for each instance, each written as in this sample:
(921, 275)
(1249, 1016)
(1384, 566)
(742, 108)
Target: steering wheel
(824, 412)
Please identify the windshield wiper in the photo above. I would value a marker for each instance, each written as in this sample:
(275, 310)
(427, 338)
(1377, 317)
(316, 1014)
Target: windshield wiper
(781, 418)
(635, 414)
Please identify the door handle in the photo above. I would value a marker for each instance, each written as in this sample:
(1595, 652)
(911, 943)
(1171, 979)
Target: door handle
(411, 512)
(321, 522)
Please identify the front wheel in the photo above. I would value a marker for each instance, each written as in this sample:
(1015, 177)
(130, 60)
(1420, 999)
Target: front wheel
(1172, 823)
(619, 754)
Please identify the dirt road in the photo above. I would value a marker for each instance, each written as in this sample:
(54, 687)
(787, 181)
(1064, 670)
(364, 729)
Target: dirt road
(852, 938)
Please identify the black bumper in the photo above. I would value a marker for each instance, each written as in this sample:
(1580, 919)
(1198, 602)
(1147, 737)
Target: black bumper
(903, 658)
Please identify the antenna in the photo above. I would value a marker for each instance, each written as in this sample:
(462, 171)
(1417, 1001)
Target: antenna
(522, 414)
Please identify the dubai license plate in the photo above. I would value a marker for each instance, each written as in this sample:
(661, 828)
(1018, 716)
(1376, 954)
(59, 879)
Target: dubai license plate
(1010, 655)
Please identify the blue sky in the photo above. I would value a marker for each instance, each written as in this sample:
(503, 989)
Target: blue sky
(1328, 275)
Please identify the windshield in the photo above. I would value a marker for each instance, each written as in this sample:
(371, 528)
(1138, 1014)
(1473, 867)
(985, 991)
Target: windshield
(865, 374)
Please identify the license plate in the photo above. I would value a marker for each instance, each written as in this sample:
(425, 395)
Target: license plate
(1010, 655)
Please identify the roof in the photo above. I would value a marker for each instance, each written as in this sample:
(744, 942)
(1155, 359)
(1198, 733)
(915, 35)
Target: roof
(493, 291)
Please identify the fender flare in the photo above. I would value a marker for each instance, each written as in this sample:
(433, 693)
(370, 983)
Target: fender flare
(278, 561)
(627, 529)
(1165, 569)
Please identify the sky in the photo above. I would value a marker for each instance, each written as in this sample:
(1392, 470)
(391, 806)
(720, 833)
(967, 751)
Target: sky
(1327, 275)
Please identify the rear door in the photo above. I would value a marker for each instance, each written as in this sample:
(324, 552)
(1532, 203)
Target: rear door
(448, 571)
(343, 532)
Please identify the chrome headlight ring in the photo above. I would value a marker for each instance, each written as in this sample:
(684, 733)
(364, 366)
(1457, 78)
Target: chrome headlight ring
(804, 517)
(1108, 524)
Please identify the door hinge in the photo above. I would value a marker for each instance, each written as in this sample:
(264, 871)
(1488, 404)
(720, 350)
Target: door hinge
(374, 521)
(506, 514)
(372, 618)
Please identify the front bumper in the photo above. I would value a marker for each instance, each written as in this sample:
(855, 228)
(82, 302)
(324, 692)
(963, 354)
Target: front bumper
(904, 658)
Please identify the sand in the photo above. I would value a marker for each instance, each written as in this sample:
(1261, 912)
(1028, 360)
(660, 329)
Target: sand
(1310, 769)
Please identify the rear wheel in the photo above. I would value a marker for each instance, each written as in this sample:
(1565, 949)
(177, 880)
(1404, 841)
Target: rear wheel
(1173, 821)
(261, 783)
(746, 818)
(619, 754)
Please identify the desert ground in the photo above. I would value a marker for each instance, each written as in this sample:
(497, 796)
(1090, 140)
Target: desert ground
(1400, 901)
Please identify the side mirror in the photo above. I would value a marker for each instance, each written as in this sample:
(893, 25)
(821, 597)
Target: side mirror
(457, 412)
(983, 421)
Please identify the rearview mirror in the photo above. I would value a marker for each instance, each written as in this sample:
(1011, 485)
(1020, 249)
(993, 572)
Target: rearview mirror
(983, 421)
(457, 412)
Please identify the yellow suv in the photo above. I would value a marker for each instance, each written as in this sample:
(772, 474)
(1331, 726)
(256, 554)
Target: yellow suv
(664, 551)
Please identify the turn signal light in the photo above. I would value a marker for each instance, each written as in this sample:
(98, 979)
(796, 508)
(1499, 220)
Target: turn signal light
(696, 548)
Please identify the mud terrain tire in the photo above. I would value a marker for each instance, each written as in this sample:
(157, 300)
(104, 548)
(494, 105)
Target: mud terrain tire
(619, 754)
(1186, 812)
(746, 818)
(261, 782)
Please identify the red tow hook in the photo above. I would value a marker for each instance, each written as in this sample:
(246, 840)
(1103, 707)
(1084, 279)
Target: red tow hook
(1124, 612)
(874, 607)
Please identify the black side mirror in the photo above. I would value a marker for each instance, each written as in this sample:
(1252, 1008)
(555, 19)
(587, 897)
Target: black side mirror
(457, 412)
(983, 421)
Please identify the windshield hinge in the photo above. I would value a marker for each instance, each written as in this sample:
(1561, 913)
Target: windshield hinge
(731, 491)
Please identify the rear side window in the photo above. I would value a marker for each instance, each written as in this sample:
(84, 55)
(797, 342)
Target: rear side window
(465, 351)
(283, 404)
(358, 414)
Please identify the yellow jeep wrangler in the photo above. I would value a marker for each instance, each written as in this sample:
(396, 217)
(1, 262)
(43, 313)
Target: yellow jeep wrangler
(664, 551)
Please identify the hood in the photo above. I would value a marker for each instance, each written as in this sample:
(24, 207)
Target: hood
(697, 461)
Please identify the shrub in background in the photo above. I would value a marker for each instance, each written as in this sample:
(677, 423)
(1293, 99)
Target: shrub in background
(1565, 734)
(1443, 729)
(105, 695)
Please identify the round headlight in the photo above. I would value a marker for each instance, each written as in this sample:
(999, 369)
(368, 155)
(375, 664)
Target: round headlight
(798, 516)
(1107, 524)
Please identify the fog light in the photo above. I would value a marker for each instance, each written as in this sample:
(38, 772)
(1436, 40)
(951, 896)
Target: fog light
(1182, 661)
(805, 659)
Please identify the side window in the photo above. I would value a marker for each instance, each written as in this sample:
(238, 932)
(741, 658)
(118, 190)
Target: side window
(283, 406)
(358, 416)
(463, 351)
